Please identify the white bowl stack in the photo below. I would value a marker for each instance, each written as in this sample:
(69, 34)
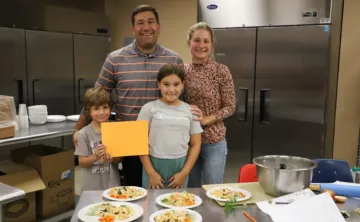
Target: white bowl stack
(38, 114)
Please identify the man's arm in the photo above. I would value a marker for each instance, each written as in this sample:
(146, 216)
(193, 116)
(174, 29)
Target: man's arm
(82, 121)
(106, 79)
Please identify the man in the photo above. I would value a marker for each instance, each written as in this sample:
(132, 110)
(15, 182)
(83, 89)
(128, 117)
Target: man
(132, 71)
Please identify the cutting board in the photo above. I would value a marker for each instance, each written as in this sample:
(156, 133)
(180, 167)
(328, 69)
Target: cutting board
(257, 193)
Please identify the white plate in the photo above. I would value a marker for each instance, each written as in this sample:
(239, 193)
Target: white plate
(55, 118)
(196, 217)
(107, 196)
(74, 118)
(38, 108)
(247, 193)
(138, 212)
(198, 202)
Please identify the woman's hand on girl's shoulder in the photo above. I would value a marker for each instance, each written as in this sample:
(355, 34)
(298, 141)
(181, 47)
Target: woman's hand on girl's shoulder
(196, 112)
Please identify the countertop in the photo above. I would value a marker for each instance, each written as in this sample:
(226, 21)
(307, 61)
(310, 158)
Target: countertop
(38, 132)
(209, 210)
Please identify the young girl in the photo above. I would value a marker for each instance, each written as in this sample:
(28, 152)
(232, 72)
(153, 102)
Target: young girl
(171, 128)
(100, 170)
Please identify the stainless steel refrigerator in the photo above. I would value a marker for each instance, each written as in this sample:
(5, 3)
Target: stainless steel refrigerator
(89, 55)
(50, 63)
(277, 52)
(50, 68)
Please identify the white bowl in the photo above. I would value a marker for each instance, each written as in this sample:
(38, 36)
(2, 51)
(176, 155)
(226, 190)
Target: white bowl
(37, 109)
(39, 114)
(40, 107)
(37, 122)
(37, 119)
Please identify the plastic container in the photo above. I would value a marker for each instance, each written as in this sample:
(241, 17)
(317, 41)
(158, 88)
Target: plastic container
(7, 112)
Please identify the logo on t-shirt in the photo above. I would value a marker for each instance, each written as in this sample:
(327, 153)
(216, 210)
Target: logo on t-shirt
(94, 144)
(167, 117)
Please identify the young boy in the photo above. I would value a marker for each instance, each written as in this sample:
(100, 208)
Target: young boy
(100, 170)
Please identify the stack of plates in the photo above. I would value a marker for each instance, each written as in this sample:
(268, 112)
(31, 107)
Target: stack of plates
(38, 114)
(73, 118)
(55, 118)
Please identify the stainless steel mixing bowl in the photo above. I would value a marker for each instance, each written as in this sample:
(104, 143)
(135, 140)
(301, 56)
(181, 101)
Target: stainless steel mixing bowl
(280, 175)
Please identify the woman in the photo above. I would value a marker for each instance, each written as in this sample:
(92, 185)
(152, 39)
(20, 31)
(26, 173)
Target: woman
(210, 88)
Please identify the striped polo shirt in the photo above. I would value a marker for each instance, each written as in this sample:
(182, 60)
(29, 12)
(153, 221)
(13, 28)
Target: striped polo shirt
(134, 76)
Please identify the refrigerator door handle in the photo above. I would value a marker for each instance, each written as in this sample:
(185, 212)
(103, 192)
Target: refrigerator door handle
(263, 112)
(79, 90)
(33, 90)
(20, 90)
(246, 90)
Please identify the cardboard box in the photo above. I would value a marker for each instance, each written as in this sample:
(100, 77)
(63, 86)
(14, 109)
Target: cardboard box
(7, 132)
(24, 178)
(56, 169)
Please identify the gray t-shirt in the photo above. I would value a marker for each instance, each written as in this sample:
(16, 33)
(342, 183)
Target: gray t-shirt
(170, 128)
(99, 176)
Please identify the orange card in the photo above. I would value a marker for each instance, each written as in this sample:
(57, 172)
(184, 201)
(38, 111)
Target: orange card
(126, 138)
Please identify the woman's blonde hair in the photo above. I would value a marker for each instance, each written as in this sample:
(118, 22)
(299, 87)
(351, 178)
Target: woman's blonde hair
(203, 26)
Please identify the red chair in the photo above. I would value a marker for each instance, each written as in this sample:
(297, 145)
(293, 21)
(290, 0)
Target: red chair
(247, 174)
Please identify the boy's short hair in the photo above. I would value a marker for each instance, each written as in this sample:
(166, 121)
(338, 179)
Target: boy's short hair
(96, 96)
(144, 8)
